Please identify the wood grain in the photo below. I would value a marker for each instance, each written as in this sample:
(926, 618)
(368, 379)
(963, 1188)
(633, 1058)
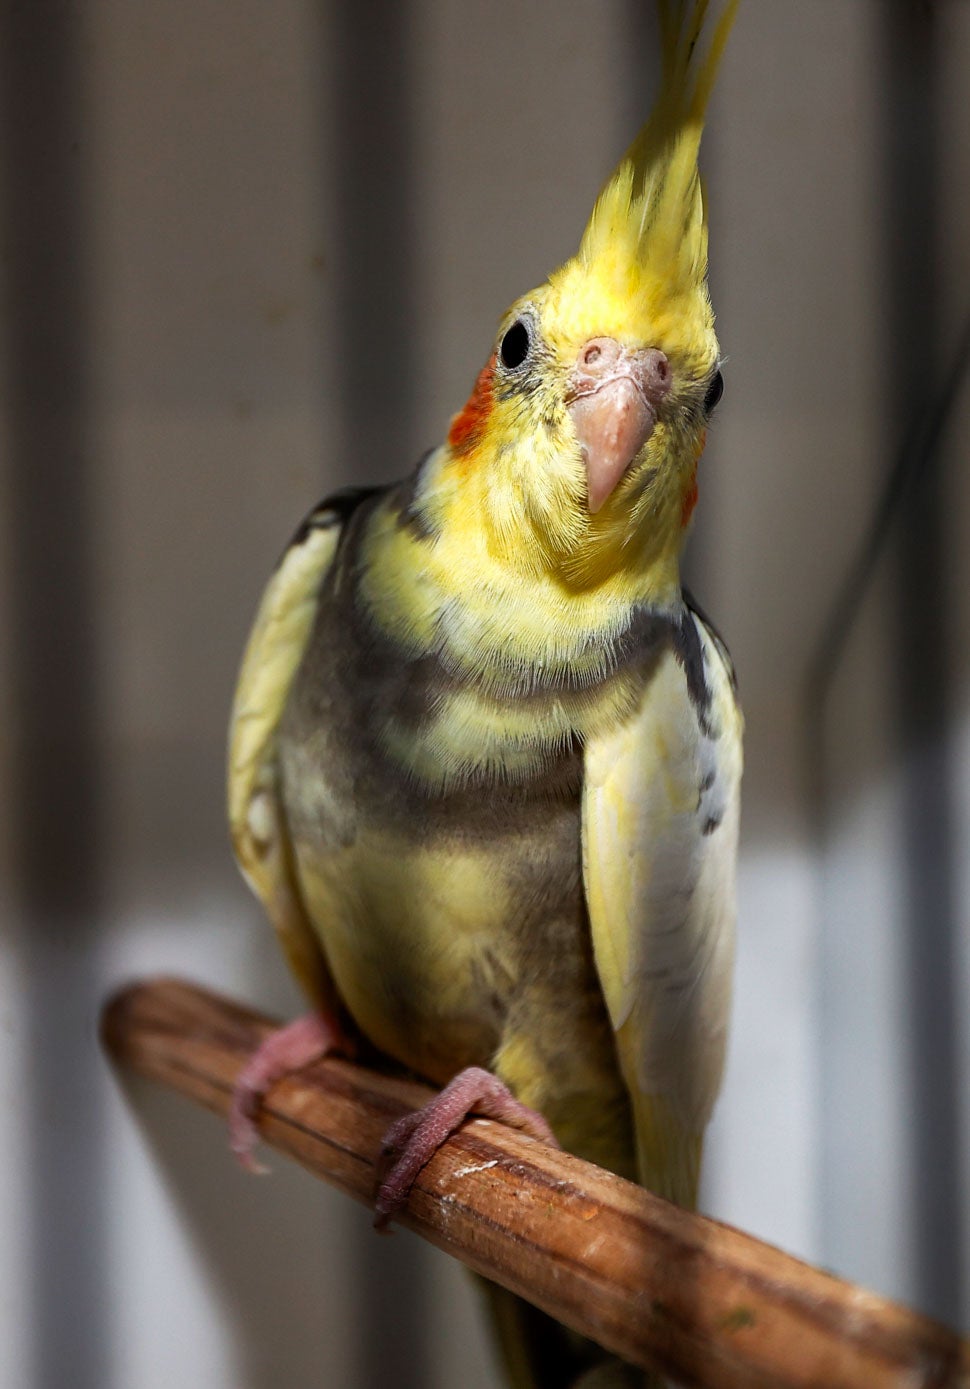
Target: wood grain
(661, 1287)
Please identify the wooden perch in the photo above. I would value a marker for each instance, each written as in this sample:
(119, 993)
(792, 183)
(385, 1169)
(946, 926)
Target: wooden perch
(661, 1287)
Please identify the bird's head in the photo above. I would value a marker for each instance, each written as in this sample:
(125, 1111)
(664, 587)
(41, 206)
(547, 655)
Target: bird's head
(578, 447)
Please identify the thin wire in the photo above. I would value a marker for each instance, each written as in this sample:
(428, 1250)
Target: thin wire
(917, 456)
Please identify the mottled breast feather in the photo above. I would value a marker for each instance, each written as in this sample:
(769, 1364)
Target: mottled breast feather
(438, 832)
(422, 741)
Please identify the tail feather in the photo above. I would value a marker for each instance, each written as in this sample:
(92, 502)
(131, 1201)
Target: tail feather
(538, 1352)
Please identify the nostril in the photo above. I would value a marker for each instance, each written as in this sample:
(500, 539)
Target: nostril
(657, 373)
(592, 354)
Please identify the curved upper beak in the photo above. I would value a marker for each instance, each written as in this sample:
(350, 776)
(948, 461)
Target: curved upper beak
(613, 395)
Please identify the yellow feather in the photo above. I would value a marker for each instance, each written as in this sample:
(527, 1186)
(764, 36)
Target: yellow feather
(640, 277)
(641, 270)
(256, 815)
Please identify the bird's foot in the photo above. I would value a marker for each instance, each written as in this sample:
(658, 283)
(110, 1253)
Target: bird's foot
(284, 1051)
(413, 1140)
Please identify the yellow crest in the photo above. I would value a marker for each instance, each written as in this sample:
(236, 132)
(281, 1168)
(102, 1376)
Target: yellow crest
(641, 270)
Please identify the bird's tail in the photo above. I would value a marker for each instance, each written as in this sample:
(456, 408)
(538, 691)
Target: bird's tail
(538, 1352)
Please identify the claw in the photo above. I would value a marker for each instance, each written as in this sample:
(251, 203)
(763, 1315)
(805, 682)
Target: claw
(412, 1140)
(283, 1052)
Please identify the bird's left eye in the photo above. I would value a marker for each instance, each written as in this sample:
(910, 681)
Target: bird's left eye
(714, 392)
(516, 344)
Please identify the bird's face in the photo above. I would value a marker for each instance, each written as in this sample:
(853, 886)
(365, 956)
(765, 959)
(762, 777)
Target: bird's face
(580, 441)
(577, 451)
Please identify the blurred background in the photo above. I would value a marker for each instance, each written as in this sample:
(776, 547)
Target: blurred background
(253, 252)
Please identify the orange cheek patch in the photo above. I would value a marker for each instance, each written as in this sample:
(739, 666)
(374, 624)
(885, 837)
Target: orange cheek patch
(468, 427)
(690, 496)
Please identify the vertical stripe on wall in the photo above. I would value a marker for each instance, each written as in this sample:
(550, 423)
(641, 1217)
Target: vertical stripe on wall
(922, 632)
(56, 787)
(370, 112)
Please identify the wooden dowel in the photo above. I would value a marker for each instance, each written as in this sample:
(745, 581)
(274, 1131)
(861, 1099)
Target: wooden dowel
(660, 1287)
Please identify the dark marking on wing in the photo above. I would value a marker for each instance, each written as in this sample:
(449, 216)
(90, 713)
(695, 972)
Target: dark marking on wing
(711, 824)
(690, 654)
(332, 511)
(694, 607)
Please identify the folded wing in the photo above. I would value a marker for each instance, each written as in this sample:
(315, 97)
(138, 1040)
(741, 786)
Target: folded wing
(660, 825)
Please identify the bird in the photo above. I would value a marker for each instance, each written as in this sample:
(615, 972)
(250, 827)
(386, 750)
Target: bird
(485, 751)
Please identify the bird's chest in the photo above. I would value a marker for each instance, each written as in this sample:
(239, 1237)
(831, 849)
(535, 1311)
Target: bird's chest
(437, 929)
(436, 826)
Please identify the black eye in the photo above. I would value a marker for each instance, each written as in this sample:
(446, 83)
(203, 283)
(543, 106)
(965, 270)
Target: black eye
(515, 345)
(714, 392)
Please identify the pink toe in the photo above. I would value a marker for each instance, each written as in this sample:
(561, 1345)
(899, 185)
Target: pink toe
(243, 1137)
(417, 1137)
(282, 1053)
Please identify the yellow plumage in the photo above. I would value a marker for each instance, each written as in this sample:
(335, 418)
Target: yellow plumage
(642, 263)
(485, 756)
(639, 277)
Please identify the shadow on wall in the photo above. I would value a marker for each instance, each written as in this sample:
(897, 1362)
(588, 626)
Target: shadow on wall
(907, 540)
(371, 111)
(287, 1302)
(56, 784)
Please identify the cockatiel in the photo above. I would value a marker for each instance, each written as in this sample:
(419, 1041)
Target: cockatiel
(485, 751)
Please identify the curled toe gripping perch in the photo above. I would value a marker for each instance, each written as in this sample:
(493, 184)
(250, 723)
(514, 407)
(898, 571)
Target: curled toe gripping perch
(284, 1051)
(414, 1139)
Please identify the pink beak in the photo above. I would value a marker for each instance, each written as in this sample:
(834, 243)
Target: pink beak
(613, 397)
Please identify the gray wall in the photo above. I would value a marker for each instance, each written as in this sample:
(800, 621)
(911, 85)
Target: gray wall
(252, 252)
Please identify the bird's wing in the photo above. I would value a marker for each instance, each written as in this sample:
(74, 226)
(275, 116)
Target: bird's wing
(660, 825)
(257, 818)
